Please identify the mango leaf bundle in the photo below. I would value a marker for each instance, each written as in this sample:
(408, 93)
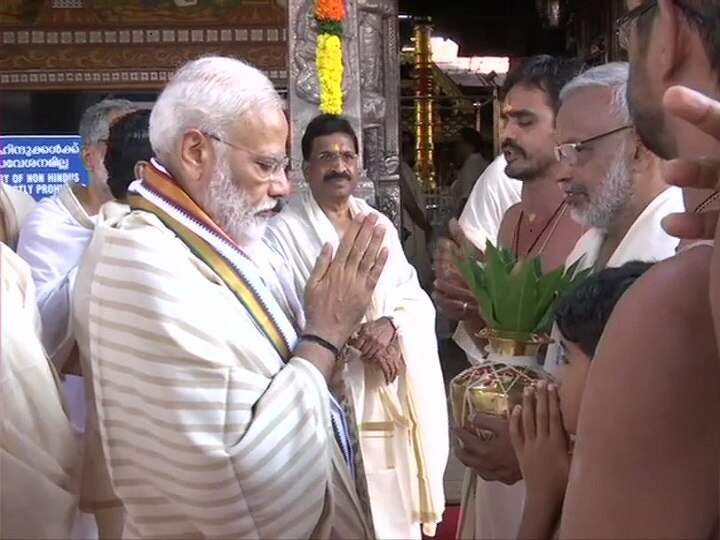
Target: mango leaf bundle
(516, 296)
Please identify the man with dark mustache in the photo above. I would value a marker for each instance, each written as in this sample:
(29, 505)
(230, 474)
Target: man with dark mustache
(390, 371)
(540, 225)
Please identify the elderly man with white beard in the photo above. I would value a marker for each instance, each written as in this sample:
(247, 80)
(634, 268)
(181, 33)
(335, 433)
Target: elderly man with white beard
(215, 417)
(614, 184)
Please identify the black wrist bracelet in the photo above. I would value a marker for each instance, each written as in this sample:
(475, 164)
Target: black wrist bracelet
(312, 338)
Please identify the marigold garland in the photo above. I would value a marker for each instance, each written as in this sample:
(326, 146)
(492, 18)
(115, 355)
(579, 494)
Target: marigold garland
(329, 15)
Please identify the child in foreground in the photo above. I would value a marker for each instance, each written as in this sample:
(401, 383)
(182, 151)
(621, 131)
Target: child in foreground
(539, 428)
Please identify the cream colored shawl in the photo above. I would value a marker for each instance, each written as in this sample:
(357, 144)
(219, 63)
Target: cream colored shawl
(38, 454)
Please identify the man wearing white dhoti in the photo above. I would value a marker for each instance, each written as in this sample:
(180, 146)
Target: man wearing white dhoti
(397, 393)
(15, 205)
(38, 456)
(215, 417)
(52, 241)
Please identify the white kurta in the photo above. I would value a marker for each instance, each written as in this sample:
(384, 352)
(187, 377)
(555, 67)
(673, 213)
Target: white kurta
(297, 234)
(38, 456)
(53, 241)
(208, 433)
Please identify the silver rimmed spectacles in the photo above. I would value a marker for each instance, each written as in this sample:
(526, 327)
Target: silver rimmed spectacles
(568, 152)
(347, 157)
(271, 166)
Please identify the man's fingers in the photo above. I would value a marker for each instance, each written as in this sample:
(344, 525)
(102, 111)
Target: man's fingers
(695, 108)
(374, 274)
(357, 247)
(322, 264)
(703, 173)
(554, 413)
(462, 240)
(348, 239)
(516, 434)
(692, 226)
(528, 413)
(489, 422)
(455, 291)
(541, 410)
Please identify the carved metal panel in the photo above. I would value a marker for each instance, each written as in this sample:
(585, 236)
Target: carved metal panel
(380, 94)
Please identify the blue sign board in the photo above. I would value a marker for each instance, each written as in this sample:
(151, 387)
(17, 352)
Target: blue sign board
(41, 164)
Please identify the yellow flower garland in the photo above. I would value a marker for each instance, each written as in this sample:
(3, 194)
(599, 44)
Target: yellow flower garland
(330, 73)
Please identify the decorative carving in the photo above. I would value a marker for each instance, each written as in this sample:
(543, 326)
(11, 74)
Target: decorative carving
(379, 91)
(18, 58)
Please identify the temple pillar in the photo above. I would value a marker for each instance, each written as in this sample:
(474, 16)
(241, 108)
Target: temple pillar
(370, 92)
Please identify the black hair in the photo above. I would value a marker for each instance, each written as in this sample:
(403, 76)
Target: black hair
(704, 15)
(322, 125)
(470, 137)
(128, 142)
(545, 72)
(582, 314)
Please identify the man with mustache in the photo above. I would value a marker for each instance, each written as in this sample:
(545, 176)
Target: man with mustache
(540, 225)
(392, 376)
(214, 414)
(649, 426)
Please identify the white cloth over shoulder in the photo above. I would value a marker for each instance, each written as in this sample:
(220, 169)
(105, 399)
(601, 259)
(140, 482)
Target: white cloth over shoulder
(15, 205)
(53, 241)
(493, 194)
(38, 455)
(207, 431)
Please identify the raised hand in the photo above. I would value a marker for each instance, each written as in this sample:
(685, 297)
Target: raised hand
(541, 445)
(338, 292)
(450, 292)
(703, 113)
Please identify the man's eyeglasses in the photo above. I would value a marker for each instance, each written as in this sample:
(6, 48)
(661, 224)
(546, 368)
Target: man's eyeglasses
(347, 158)
(271, 166)
(569, 152)
(622, 25)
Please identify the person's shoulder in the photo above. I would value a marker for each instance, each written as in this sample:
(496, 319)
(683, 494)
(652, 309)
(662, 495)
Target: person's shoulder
(678, 284)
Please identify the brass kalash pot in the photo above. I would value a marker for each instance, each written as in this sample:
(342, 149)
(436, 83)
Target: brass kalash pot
(496, 385)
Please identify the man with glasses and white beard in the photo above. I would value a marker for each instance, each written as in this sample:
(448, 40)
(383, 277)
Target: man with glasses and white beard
(613, 183)
(646, 463)
(215, 416)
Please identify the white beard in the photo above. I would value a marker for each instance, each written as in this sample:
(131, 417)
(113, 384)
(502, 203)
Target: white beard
(227, 205)
(612, 194)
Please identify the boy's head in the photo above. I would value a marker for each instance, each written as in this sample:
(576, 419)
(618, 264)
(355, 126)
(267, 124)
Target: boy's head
(581, 317)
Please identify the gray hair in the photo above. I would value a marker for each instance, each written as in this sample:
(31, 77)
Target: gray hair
(94, 124)
(613, 76)
(210, 94)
